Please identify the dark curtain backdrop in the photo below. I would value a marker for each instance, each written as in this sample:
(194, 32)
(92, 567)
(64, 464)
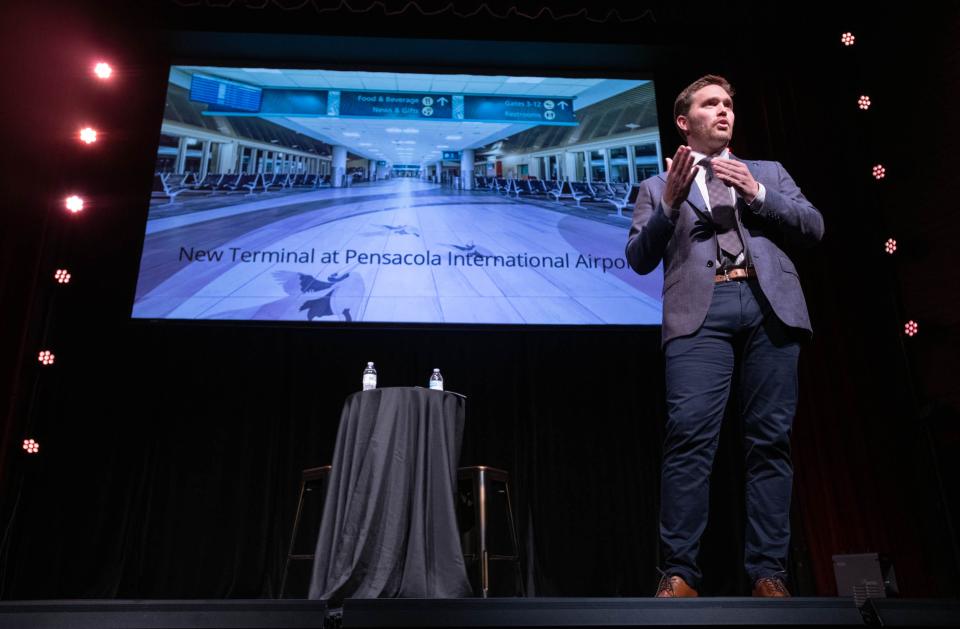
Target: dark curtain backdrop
(182, 479)
(171, 452)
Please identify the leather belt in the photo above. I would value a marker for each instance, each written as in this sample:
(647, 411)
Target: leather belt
(735, 274)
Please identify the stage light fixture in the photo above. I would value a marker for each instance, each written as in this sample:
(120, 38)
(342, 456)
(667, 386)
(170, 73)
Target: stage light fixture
(88, 135)
(910, 328)
(74, 203)
(102, 70)
(31, 446)
(879, 172)
(863, 103)
(847, 39)
(46, 357)
(890, 246)
(62, 276)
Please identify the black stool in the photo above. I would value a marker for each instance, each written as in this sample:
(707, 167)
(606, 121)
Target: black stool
(489, 543)
(303, 538)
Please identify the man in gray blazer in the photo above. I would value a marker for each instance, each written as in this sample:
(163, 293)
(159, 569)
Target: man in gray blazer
(729, 293)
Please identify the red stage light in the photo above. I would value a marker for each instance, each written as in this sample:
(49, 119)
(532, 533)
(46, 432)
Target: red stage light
(46, 357)
(31, 446)
(102, 70)
(879, 172)
(910, 328)
(890, 246)
(847, 39)
(62, 276)
(864, 102)
(74, 203)
(88, 135)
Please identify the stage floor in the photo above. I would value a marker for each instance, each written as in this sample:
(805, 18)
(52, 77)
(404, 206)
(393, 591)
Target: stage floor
(493, 612)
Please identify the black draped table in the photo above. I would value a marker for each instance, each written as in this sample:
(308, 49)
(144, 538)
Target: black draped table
(389, 527)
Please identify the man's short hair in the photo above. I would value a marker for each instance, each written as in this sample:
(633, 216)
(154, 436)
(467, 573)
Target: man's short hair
(681, 106)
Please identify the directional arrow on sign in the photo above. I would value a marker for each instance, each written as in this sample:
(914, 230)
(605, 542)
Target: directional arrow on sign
(562, 105)
(442, 101)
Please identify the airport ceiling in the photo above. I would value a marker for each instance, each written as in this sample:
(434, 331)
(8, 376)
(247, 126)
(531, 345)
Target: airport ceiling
(404, 141)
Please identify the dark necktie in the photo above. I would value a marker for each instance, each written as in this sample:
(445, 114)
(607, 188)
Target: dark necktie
(724, 214)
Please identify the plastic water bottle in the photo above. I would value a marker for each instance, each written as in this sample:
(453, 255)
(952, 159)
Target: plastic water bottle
(436, 380)
(369, 377)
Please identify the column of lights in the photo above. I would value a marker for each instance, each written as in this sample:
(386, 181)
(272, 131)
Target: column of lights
(73, 203)
(102, 71)
(879, 172)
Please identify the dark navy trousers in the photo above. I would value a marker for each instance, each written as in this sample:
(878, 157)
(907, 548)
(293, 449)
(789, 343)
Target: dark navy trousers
(699, 370)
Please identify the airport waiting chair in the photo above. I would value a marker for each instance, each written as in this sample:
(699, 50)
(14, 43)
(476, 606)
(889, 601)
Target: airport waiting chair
(549, 186)
(620, 189)
(277, 182)
(538, 187)
(600, 190)
(522, 187)
(227, 183)
(628, 200)
(210, 182)
(176, 181)
(163, 190)
(580, 191)
(244, 183)
(562, 191)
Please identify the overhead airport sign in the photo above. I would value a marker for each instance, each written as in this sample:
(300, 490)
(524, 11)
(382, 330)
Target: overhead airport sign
(226, 98)
(520, 109)
(451, 156)
(394, 105)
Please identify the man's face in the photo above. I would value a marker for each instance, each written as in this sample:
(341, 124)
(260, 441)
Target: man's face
(709, 123)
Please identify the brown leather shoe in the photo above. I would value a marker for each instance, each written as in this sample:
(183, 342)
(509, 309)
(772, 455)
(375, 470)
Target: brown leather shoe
(771, 587)
(672, 586)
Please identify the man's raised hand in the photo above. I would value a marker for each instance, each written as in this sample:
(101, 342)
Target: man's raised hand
(736, 175)
(680, 174)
